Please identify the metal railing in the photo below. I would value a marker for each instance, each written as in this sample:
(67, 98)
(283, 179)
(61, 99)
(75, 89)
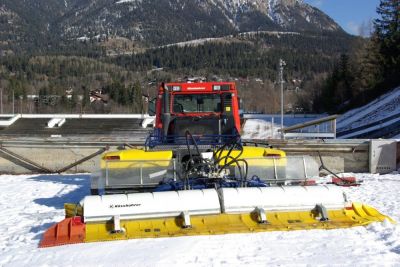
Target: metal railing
(157, 138)
(316, 129)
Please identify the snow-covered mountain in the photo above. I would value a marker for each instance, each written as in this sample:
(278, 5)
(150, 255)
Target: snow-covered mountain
(285, 13)
(155, 22)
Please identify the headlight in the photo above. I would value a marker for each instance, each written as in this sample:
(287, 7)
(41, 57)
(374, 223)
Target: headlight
(216, 87)
(176, 88)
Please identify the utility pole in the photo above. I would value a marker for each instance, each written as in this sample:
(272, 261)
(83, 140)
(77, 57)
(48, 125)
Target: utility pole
(282, 64)
(1, 100)
(20, 104)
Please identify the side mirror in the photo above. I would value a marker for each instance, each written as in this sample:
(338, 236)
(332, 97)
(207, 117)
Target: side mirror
(240, 104)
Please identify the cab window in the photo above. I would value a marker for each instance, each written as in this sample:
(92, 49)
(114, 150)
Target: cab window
(197, 103)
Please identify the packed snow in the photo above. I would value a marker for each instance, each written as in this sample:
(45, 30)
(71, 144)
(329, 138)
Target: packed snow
(383, 111)
(129, 1)
(31, 204)
(266, 126)
(388, 102)
(260, 129)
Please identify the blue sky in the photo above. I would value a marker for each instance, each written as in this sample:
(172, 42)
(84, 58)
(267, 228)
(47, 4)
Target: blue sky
(350, 14)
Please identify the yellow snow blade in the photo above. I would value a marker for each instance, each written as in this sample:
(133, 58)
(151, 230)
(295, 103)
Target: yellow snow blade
(360, 215)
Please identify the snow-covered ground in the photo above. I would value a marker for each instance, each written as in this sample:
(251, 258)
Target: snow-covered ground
(30, 204)
(260, 129)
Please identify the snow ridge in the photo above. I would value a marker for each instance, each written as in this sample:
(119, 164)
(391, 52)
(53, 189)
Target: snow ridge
(383, 107)
(128, 1)
(202, 41)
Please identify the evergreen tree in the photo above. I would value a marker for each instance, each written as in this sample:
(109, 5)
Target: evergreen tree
(123, 95)
(136, 94)
(369, 72)
(72, 102)
(338, 89)
(345, 90)
(86, 98)
(387, 40)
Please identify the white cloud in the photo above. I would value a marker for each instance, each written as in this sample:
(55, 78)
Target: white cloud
(317, 3)
(364, 28)
(353, 27)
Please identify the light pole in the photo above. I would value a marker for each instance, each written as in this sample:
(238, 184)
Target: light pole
(20, 104)
(282, 64)
(13, 102)
(1, 100)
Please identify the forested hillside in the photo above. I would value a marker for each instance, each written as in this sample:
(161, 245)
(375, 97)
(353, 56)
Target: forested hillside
(248, 57)
(253, 54)
(70, 49)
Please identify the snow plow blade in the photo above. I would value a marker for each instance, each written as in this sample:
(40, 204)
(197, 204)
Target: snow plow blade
(209, 212)
(234, 223)
(68, 231)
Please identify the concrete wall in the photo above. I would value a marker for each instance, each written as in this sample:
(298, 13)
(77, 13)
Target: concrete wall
(339, 156)
(398, 155)
(53, 158)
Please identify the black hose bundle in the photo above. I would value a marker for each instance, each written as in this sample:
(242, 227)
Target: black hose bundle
(202, 168)
(230, 160)
(196, 163)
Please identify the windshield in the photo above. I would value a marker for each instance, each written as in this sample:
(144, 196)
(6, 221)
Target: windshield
(197, 103)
